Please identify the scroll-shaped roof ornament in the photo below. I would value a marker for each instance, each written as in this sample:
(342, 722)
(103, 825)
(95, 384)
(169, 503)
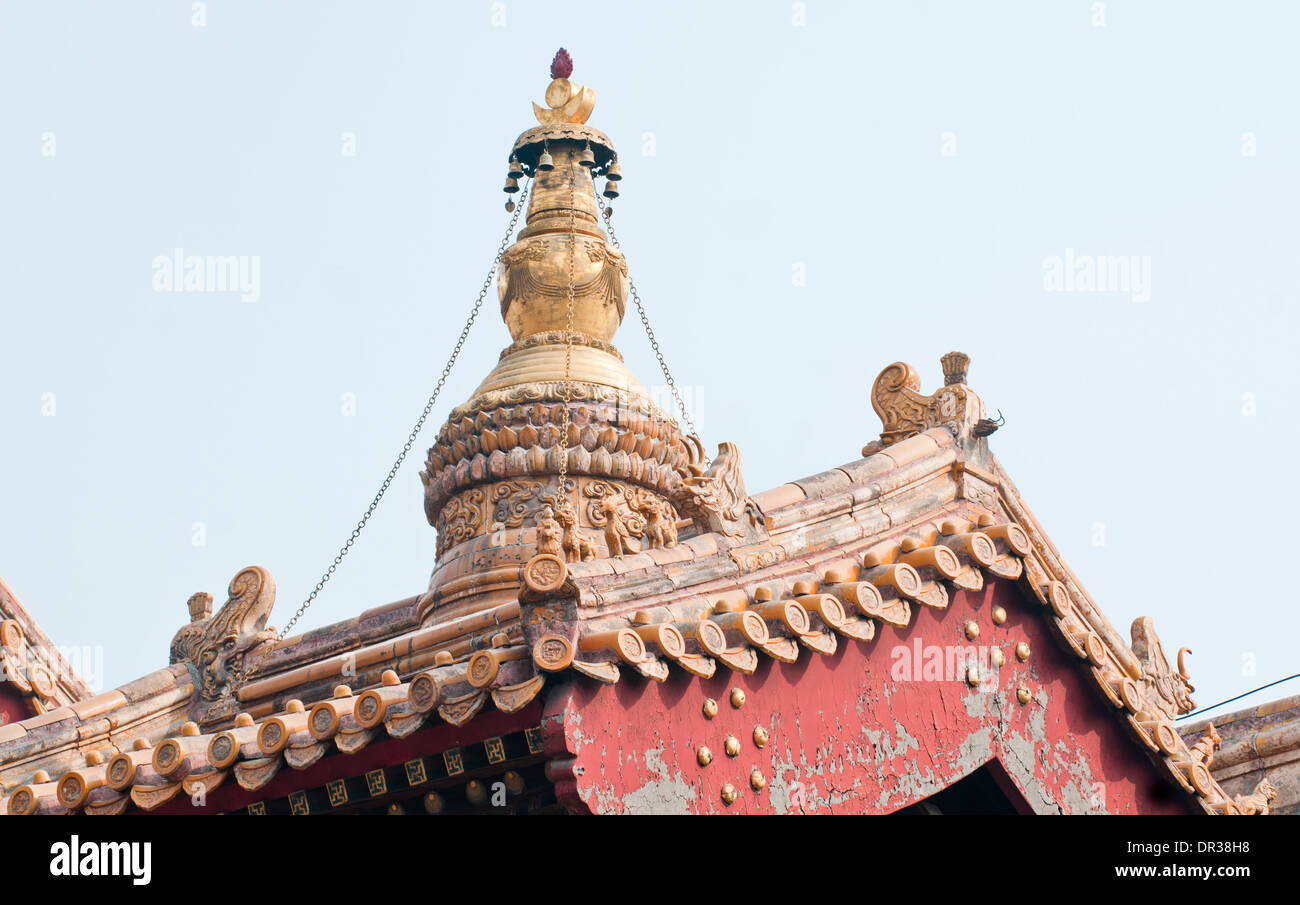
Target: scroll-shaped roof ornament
(1169, 691)
(905, 411)
(214, 646)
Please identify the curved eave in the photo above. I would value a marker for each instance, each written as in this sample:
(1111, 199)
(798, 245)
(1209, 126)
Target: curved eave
(824, 531)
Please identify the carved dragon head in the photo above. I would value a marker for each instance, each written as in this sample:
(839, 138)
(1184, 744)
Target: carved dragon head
(215, 645)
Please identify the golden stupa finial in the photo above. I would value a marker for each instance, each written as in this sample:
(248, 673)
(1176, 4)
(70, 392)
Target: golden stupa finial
(568, 103)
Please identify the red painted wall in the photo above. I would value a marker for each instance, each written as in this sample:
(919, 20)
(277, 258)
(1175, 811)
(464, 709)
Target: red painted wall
(13, 707)
(867, 730)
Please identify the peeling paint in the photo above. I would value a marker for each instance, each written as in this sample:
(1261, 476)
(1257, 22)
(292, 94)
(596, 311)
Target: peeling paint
(846, 737)
(660, 797)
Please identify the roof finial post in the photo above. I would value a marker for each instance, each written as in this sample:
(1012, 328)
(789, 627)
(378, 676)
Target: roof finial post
(567, 102)
(561, 400)
(955, 366)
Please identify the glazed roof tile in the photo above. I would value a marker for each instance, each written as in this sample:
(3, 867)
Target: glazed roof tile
(852, 552)
(1256, 745)
(30, 662)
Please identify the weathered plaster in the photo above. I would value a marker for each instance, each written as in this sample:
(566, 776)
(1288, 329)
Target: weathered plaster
(847, 735)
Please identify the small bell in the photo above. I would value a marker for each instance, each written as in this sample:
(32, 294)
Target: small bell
(510, 207)
(613, 172)
(516, 171)
(512, 185)
(544, 163)
(586, 158)
(611, 189)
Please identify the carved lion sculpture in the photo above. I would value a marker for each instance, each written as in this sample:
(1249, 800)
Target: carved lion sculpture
(660, 528)
(577, 546)
(617, 533)
(1258, 801)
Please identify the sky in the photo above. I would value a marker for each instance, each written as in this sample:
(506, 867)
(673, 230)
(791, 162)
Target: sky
(811, 192)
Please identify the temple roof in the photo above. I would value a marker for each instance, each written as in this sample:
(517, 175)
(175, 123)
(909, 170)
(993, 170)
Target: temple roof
(850, 553)
(583, 535)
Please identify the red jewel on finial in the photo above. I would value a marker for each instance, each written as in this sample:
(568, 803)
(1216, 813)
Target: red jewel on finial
(562, 65)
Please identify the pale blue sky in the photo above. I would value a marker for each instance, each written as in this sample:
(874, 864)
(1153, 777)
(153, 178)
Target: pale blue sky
(821, 145)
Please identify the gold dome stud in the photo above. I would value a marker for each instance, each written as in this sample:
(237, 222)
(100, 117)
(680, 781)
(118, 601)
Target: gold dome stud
(704, 755)
(998, 658)
(972, 629)
(999, 615)
(728, 794)
(737, 698)
(1022, 694)
(1022, 651)
(756, 781)
(710, 708)
(731, 746)
(972, 675)
(760, 736)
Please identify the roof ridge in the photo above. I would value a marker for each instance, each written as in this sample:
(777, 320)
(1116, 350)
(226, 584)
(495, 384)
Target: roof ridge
(31, 659)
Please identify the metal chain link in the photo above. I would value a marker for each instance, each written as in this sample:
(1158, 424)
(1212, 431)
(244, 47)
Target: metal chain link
(419, 425)
(645, 322)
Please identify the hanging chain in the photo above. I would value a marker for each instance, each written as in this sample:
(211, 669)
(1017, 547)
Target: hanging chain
(568, 335)
(419, 425)
(645, 322)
